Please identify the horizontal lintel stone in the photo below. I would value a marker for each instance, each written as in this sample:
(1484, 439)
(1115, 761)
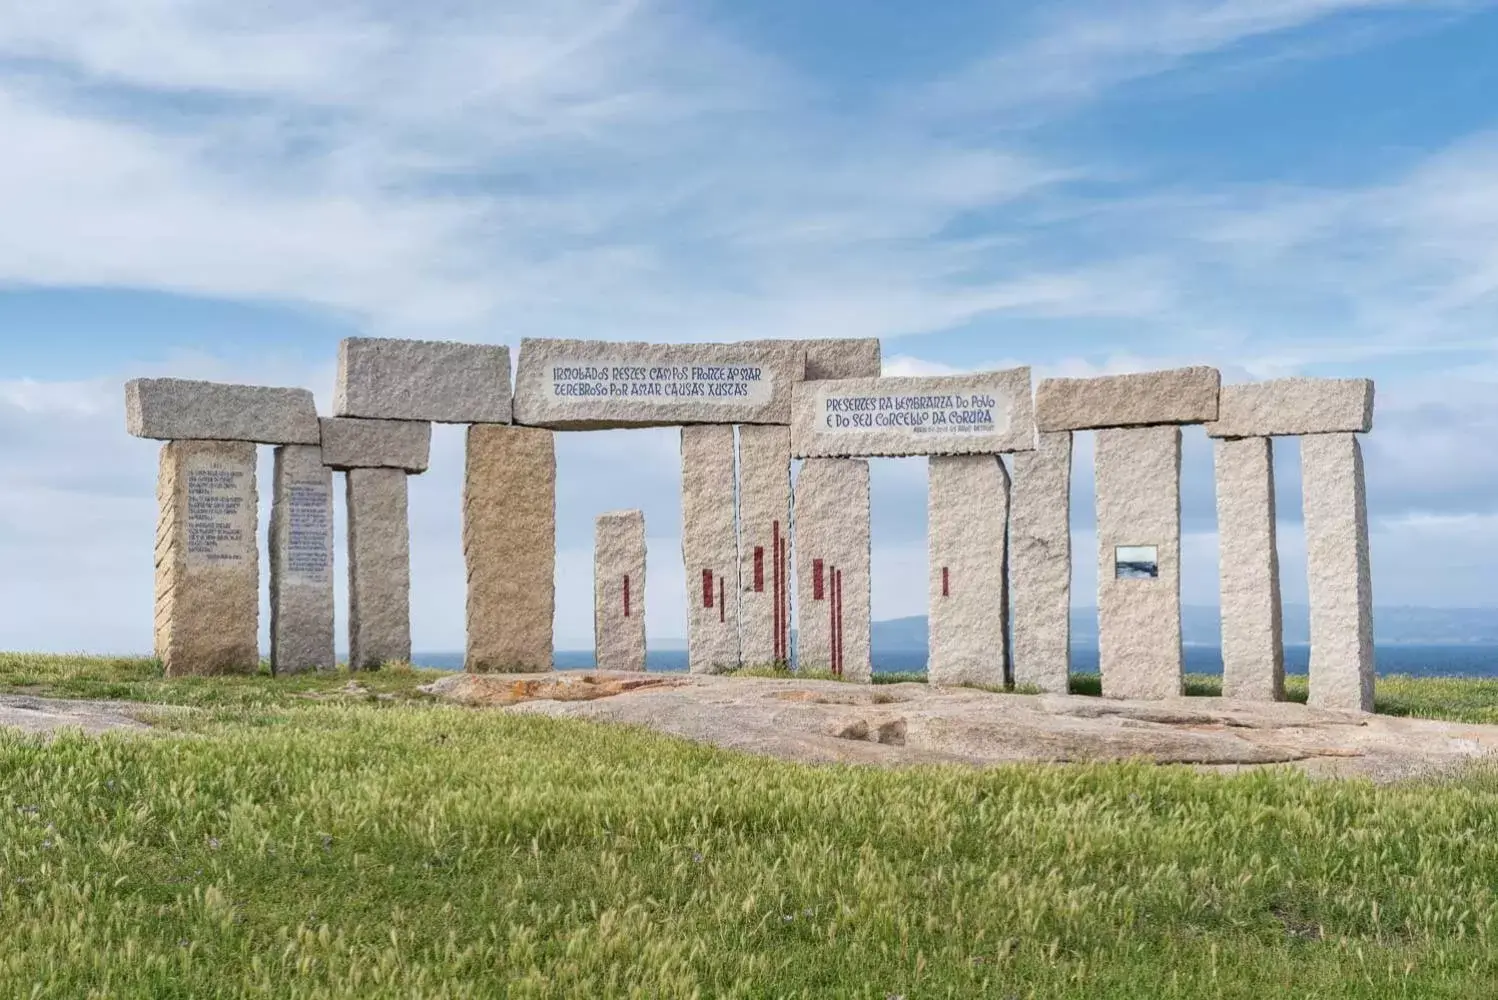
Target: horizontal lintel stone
(835, 357)
(172, 409)
(1295, 406)
(1177, 396)
(437, 381)
(352, 443)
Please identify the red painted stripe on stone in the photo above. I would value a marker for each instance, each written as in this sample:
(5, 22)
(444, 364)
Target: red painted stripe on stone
(946, 582)
(722, 602)
(626, 595)
(817, 588)
(707, 588)
(759, 569)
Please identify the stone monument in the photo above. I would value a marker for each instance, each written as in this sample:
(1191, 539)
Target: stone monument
(619, 591)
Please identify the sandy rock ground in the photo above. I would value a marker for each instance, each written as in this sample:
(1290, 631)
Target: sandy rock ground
(46, 715)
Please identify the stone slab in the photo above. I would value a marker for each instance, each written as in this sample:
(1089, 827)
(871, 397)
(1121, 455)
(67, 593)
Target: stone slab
(619, 591)
(968, 518)
(833, 580)
(983, 414)
(1340, 577)
(379, 568)
(354, 443)
(428, 380)
(709, 546)
(593, 384)
(1139, 615)
(1040, 564)
(1178, 396)
(301, 562)
(207, 559)
(1294, 406)
(835, 357)
(174, 409)
(509, 544)
(1253, 645)
(765, 544)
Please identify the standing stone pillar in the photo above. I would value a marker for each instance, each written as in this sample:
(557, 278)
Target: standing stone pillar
(969, 518)
(1340, 577)
(510, 543)
(619, 591)
(379, 568)
(301, 562)
(765, 549)
(832, 567)
(1253, 649)
(709, 542)
(207, 559)
(1139, 568)
(1040, 563)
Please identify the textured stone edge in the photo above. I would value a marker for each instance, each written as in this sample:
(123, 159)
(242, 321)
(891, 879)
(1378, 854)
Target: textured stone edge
(1293, 407)
(247, 406)
(361, 443)
(1176, 396)
(351, 399)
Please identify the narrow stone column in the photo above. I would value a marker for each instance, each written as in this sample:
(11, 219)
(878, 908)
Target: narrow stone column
(709, 545)
(968, 513)
(207, 559)
(301, 562)
(1040, 563)
(765, 549)
(1341, 581)
(832, 567)
(1139, 565)
(619, 590)
(379, 568)
(510, 545)
(1253, 648)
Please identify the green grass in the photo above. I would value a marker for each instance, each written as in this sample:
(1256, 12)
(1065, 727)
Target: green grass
(278, 844)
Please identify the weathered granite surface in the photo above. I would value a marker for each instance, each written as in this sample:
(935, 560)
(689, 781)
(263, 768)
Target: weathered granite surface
(968, 523)
(833, 578)
(1178, 396)
(709, 545)
(437, 381)
(355, 443)
(1040, 563)
(1340, 577)
(301, 562)
(174, 409)
(1253, 648)
(1293, 406)
(379, 568)
(619, 591)
(834, 357)
(765, 544)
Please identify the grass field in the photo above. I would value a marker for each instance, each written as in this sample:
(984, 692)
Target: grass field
(278, 841)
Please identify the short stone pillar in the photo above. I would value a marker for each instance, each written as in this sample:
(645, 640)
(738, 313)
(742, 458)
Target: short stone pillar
(207, 559)
(832, 567)
(379, 568)
(1040, 564)
(619, 591)
(765, 549)
(301, 562)
(709, 543)
(1253, 648)
(1340, 576)
(968, 518)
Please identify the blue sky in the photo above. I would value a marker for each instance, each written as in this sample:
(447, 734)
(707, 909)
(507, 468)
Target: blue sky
(214, 189)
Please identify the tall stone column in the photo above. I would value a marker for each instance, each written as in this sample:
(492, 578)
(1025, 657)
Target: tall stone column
(509, 543)
(1139, 565)
(765, 543)
(1340, 577)
(969, 519)
(1040, 563)
(379, 568)
(709, 543)
(207, 559)
(619, 590)
(301, 562)
(832, 567)
(1253, 648)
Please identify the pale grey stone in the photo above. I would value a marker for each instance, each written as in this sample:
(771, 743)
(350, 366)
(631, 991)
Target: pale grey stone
(1340, 577)
(982, 414)
(1253, 650)
(834, 357)
(765, 544)
(1179, 396)
(174, 409)
(1040, 564)
(832, 553)
(354, 443)
(1294, 406)
(379, 568)
(437, 381)
(968, 519)
(619, 590)
(1139, 504)
(301, 562)
(709, 545)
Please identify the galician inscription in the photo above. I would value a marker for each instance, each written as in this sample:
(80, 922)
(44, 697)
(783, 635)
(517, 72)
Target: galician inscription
(667, 384)
(943, 413)
(309, 530)
(219, 517)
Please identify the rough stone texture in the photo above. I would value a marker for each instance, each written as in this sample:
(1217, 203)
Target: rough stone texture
(1341, 582)
(605, 384)
(301, 562)
(1294, 406)
(983, 414)
(1040, 564)
(207, 559)
(765, 544)
(379, 568)
(509, 542)
(832, 554)
(1253, 648)
(709, 547)
(352, 443)
(174, 409)
(1139, 620)
(1179, 396)
(49, 715)
(427, 380)
(835, 357)
(619, 591)
(969, 519)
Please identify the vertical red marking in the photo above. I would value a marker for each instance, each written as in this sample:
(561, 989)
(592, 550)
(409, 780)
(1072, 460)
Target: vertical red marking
(832, 620)
(946, 582)
(837, 603)
(816, 580)
(759, 569)
(707, 588)
(722, 602)
(626, 595)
